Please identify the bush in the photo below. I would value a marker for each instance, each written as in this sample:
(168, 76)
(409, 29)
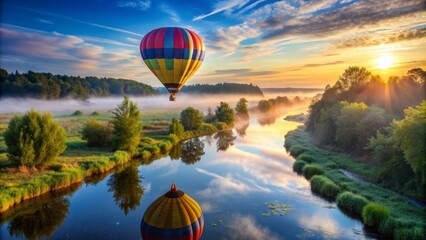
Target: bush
(77, 113)
(306, 157)
(97, 134)
(173, 138)
(34, 139)
(165, 146)
(324, 186)
(208, 128)
(352, 203)
(298, 166)
(310, 170)
(145, 154)
(191, 119)
(373, 214)
(95, 113)
(176, 128)
(296, 150)
(120, 157)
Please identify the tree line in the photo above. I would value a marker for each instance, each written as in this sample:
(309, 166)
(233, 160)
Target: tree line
(382, 121)
(49, 86)
(221, 88)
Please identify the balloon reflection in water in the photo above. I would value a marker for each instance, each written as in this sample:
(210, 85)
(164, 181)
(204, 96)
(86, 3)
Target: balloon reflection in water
(174, 215)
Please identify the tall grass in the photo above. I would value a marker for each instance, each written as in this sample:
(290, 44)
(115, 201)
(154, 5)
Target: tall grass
(324, 186)
(298, 166)
(306, 157)
(310, 170)
(352, 203)
(373, 214)
(296, 150)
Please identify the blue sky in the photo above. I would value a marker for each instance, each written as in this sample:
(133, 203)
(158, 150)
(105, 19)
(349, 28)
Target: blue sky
(291, 43)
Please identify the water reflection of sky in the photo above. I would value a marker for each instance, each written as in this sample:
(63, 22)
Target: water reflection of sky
(231, 186)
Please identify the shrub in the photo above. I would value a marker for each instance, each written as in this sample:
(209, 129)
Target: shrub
(191, 119)
(306, 157)
(97, 134)
(57, 167)
(373, 214)
(352, 203)
(173, 138)
(309, 170)
(165, 146)
(34, 139)
(145, 154)
(176, 127)
(298, 166)
(296, 150)
(208, 128)
(120, 157)
(324, 186)
(95, 113)
(77, 113)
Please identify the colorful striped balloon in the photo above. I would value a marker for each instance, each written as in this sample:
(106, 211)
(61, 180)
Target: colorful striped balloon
(173, 216)
(173, 54)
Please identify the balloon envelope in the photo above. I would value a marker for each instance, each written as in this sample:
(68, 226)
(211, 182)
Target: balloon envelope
(174, 215)
(173, 55)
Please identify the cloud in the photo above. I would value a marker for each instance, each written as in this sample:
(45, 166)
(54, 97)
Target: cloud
(316, 5)
(246, 227)
(172, 14)
(83, 22)
(378, 39)
(221, 6)
(241, 72)
(249, 7)
(44, 21)
(357, 16)
(133, 40)
(311, 65)
(140, 4)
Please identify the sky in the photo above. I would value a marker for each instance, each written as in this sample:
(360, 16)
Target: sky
(292, 43)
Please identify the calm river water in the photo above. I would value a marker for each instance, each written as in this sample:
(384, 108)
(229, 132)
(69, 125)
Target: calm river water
(233, 175)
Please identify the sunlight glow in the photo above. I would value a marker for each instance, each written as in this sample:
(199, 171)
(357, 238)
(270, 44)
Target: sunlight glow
(385, 61)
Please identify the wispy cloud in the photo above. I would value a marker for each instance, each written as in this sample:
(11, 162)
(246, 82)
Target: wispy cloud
(140, 4)
(83, 22)
(246, 227)
(222, 6)
(44, 21)
(133, 40)
(172, 14)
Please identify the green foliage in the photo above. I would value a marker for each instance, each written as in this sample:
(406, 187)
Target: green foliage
(409, 233)
(173, 138)
(324, 186)
(373, 214)
(221, 125)
(77, 113)
(347, 132)
(223, 88)
(351, 77)
(296, 150)
(49, 86)
(351, 202)
(191, 119)
(97, 134)
(306, 157)
(224, 113)
(241, 109)
(34, 139)
(298, 166)
(95, 113)
(410, 133)
(273, 104)
(176, 127)
(127, 126)
(310, 170)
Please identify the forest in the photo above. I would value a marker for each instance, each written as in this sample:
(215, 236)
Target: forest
(382, 123)
(49, 86)
(223, 88)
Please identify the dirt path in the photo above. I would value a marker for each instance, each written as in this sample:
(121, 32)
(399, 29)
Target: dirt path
(358, 178)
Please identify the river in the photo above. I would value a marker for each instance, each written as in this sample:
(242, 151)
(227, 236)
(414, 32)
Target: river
(233, 175)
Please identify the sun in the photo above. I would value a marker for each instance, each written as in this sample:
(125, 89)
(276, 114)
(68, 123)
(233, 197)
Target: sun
(384, 61)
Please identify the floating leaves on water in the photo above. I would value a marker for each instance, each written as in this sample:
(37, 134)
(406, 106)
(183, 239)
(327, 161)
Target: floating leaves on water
(329, 206)
(219, 221)
(276, 208)
(214, 224)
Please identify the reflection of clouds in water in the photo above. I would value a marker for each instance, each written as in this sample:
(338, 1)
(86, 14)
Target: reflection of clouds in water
(246, 227)
(208, 207)
(324, 223)
(147, 187)
(265, 171)
(220, 185)
(165, 163)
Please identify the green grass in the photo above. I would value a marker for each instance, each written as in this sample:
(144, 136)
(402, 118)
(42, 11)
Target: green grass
(310, 170)
(401, 211)
(306, 157)
(373, 214)
(352, 203)
(298, 166)
(324, 186)
(296, 150)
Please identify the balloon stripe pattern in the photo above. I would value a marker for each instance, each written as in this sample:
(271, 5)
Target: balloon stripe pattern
(173, 55)
(173, 216)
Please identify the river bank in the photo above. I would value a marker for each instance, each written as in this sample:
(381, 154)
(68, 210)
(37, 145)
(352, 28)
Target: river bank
(406, 220)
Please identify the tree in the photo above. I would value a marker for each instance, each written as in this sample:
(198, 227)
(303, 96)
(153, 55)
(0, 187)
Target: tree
(191, 118)
(410, 133)
(210, 117)
(352, 76)
(241, 109)
(192, 150)
(127, 126)
(176, 127)
(418, 74)
(346, 123)
(34, 140)
(97, 134)
(224, 113)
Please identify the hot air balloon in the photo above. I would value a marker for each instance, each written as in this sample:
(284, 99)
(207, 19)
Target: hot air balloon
(173, 55)
(174, 215)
